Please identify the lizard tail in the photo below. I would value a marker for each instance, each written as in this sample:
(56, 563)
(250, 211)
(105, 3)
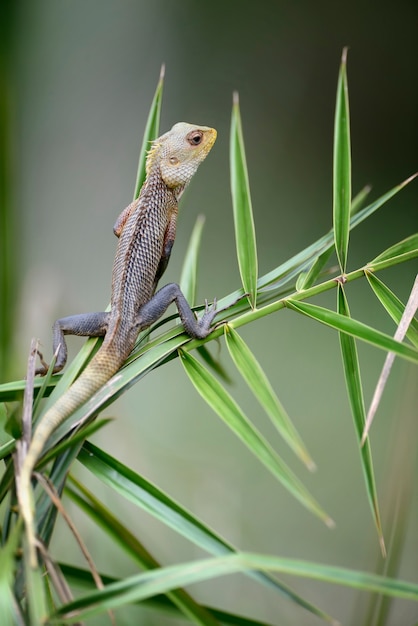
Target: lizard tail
(98, 372)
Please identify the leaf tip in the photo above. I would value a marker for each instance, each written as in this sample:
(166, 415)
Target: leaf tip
(162, 72)
(329, 522)
(344, 55)
(408, 180)
(235, 98)
(311, 465)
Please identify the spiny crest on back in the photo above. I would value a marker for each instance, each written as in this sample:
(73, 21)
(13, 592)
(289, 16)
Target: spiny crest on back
(152, 154)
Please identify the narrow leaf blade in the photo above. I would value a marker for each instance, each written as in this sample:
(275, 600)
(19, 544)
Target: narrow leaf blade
(144, 585)
(393, 305)
(151, 132)
(342, 167)
(355, 394)
(355, 328)
(404, 324)
(105, 519)
(406, 246)
(228, 410)
(252, 372)
(188, 279)
(241, 202)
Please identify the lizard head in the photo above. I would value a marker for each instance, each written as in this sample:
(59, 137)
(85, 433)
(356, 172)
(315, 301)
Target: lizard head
(179, 153)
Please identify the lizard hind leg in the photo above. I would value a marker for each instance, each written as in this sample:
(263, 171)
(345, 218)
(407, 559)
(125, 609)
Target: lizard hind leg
(83, 325)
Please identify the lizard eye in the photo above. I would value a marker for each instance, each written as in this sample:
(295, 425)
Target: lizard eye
(195, 137)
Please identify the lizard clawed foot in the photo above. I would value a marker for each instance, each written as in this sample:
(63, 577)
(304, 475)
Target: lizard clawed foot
(41, 371)
(210, 313)
(205, 322)
(225, 308)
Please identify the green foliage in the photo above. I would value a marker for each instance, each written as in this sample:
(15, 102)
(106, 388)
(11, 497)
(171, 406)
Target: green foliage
(34, 596)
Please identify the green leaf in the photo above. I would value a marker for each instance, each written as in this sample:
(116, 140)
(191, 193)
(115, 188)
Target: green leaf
(342, 167)
(103, 518)
(36, 599)
(82, 578)
(148, 584)
(188, 279)
(228, 410)
(79, 436)
(151, 132)
(403, 326)
(241, 202)
(354, 328)
(358, 200)
(214, 364)
(307, 279)
(356, 398)
(8, 606)
(393, 305)
(403, 250)
(147, 496)
(253, 374)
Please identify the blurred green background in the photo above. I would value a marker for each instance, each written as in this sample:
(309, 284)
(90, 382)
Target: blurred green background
(79, 79)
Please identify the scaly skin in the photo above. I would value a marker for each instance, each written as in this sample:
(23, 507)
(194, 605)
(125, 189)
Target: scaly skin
(146, 231)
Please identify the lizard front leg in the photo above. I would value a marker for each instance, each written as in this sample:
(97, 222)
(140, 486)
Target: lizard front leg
(83, 325)
(156, 307)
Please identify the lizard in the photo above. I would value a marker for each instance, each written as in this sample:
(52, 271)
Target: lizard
(146, 231)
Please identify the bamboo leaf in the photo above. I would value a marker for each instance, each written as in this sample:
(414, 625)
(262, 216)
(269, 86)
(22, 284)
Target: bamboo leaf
(358, 200)
(82, 579)
(151, 132)
(79, 436)
(228, 410)
(355, 395)
(144, 585)
(151, 499)
(188, 279)
(241, 202)
(253, 374)
(34, 579)
(8, 605)
(103, 518)
(402, 248)
(307, 279)
(393, 305)
(354, 328)
(408, 314)
(213, 363)
(342, 167)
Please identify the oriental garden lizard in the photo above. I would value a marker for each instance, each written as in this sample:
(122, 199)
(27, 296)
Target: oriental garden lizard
(146, 230)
